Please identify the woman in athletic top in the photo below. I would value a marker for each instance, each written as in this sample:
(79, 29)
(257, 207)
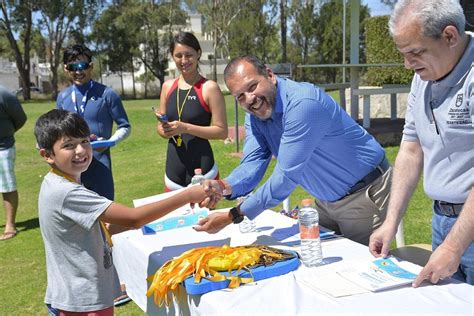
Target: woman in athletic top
(192, 111)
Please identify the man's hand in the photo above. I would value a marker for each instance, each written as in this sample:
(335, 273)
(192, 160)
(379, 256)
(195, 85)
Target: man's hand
(443, 263)
(215, 193)
(214, 222)
(197, 194)
(380, 240)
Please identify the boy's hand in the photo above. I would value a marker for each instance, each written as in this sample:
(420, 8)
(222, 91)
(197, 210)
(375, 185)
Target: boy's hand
(197, 194)
(215, 193)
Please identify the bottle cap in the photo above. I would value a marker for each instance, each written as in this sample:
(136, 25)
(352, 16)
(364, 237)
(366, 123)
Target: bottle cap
(307, 202)
(198, 171)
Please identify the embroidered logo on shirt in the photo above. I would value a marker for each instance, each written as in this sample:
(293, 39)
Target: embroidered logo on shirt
(459, 100)
(192, 97)
(459, 114)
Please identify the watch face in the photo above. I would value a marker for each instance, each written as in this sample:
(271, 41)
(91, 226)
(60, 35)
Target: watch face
(238, 220)
(236, 217)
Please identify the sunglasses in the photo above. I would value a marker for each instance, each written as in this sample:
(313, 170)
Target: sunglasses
(78, 66)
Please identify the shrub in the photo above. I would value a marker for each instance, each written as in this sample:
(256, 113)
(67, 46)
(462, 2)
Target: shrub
(381, 49)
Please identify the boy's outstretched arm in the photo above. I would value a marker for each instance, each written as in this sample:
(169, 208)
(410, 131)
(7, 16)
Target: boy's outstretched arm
(122, 215)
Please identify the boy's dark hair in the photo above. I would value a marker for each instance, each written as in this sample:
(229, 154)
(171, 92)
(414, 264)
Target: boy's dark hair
(185, 38)
(57, 123)
(71, 53)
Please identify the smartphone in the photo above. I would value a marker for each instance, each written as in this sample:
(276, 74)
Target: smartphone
(160, 117)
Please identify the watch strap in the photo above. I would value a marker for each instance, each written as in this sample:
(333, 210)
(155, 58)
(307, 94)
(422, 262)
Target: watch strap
(236, 216)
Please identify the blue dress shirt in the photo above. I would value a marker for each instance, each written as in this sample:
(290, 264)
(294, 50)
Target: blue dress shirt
(317, 145)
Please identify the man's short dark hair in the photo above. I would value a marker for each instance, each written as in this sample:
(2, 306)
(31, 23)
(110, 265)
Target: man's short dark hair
(56, 124)
(73, 52)
(257, 63)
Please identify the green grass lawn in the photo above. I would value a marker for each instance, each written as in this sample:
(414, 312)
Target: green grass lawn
(138, 166)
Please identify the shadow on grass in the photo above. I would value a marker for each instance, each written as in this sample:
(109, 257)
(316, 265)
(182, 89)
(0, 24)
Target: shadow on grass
(31, 223)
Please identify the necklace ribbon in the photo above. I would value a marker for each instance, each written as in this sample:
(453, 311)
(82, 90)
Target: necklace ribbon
(81, 109)
(180, 111)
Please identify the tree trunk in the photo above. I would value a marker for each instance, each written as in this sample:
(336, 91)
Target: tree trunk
(133, 79)
(214, 38)
(22, 62)
(283, 30)
(121, 83)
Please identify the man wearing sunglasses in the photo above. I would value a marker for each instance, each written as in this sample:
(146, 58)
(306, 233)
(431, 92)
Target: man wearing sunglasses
(100, 106)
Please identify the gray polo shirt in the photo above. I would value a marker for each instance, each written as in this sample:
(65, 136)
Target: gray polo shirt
(440, 116)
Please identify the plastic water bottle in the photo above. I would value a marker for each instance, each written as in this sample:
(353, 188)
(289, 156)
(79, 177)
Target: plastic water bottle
(247, 225)
(198, 177)
(311, 252)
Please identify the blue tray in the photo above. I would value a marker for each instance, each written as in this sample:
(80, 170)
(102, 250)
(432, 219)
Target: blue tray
(258, 273)
(102, 143)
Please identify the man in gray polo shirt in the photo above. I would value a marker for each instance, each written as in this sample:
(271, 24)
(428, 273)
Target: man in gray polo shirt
(438, 136)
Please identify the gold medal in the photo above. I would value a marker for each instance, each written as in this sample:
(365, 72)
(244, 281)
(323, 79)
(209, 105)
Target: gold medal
(179, 141)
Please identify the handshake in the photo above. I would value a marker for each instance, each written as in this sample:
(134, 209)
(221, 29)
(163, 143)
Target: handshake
(215, 190)
(208, 194)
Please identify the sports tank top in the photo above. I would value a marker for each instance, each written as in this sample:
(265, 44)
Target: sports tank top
(194, 152)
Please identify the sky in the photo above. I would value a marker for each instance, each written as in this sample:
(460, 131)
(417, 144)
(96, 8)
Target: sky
(377, 7)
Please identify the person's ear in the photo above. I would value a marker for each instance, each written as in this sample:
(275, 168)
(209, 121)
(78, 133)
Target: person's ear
(65, 68)
(451, 35)
(48, 157)
(271, 75)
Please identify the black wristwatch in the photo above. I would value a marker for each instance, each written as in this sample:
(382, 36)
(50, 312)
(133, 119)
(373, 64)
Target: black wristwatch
(236, 216)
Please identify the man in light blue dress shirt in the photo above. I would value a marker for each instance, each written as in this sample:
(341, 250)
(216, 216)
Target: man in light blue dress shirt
(317, 146)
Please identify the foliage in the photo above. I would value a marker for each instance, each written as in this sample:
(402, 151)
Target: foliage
(219, 16)
(381, 49)
(115, 37)
(60, 18)
(254, 31)
(317, 32)
(17, 18)
(139, 29)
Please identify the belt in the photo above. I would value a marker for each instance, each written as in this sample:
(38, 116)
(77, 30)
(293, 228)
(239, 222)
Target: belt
(370, 177)
(448, 209)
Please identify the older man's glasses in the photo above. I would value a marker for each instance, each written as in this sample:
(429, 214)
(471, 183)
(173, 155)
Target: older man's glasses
(78, 66)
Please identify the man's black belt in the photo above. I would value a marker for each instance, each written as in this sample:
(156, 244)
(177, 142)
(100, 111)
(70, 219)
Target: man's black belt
(448, 209)
(371, 176)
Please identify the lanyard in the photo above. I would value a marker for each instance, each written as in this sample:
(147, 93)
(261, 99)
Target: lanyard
(80, 110)
(104, 229)
(180, 111)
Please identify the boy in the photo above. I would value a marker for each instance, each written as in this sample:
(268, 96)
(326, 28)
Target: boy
(80, 271)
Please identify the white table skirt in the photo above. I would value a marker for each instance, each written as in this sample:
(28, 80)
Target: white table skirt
(137, 256)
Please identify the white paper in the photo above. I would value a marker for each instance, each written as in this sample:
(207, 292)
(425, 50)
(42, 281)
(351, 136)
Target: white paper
(325, 279)
(380, 274)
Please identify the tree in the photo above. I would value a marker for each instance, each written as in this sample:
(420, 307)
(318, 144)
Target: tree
(328, 30)
(139, 29)
(58, 19)
(17, 19)
(253, 31)
(118, 38)
(283, 27)
(219, 15)
(303, 34)
(159, 24)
